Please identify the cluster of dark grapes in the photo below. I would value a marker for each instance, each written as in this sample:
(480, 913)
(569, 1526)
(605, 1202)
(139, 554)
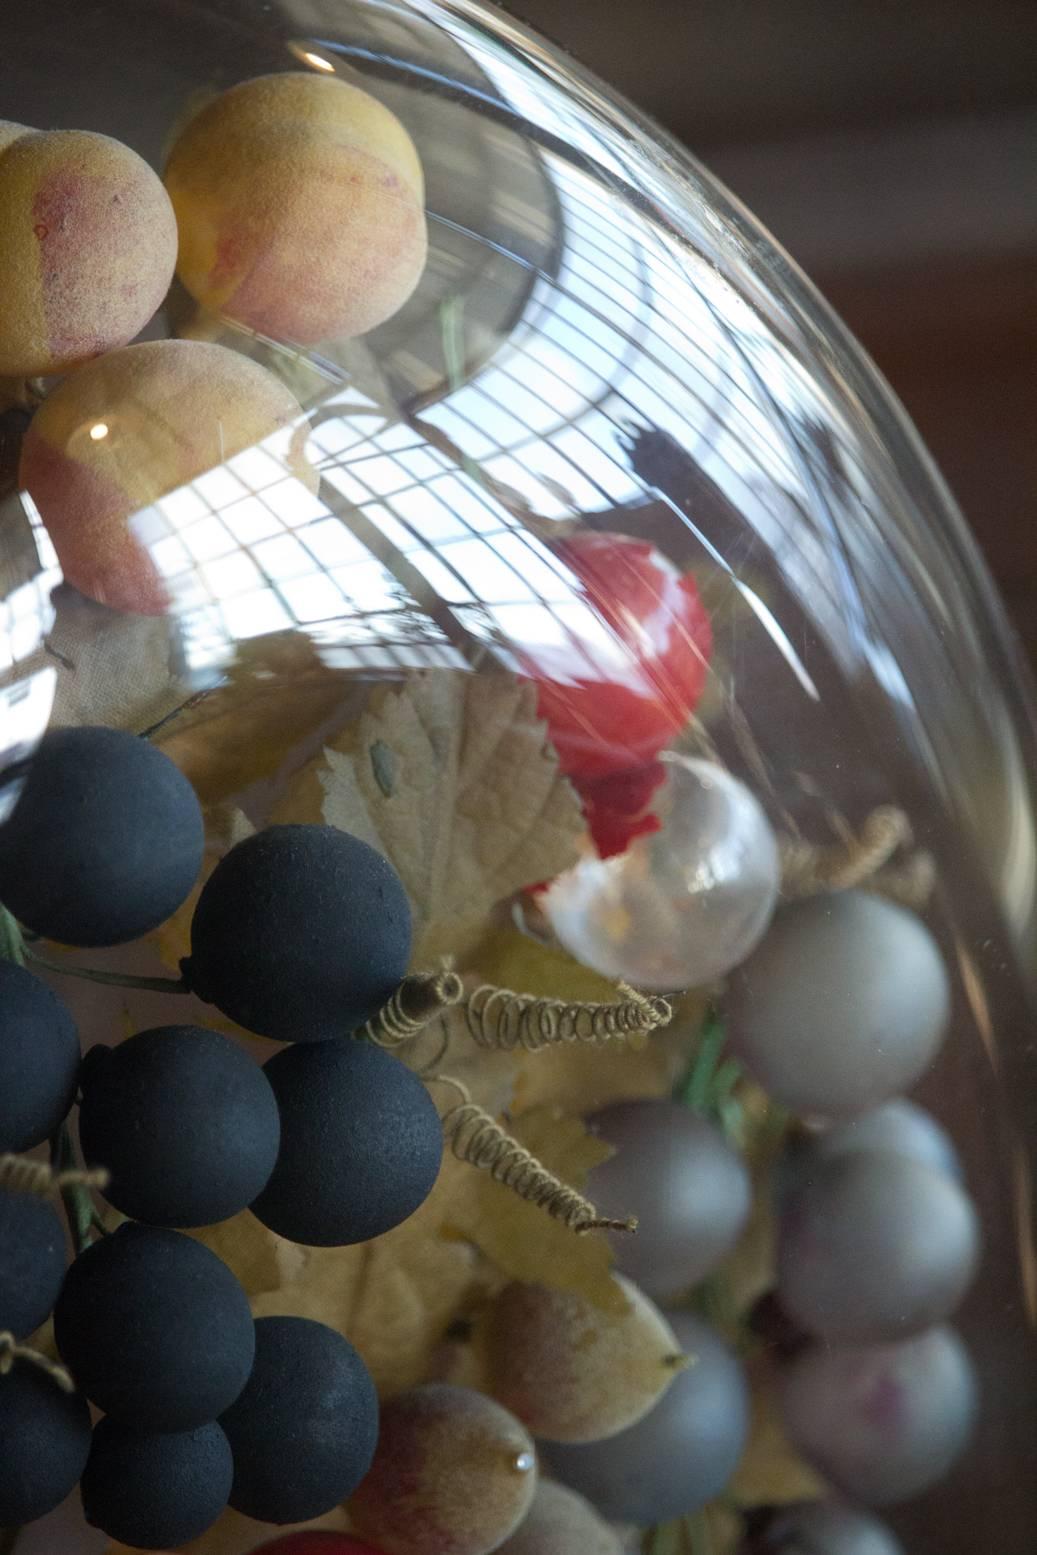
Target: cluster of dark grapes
(301, 933)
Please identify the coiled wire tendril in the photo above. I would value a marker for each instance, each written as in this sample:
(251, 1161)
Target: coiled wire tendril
(865, 859)
(416, 1002)
(477, 1139)
(500, 1018)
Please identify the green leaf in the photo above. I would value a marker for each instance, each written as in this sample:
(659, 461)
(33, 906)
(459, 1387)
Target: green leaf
(12, 946)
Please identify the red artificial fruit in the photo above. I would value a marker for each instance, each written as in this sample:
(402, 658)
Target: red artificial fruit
(316, 1543)
(621, 678)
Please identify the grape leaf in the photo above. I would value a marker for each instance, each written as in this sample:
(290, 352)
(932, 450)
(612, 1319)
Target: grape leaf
(275, 694)
(520, 1240)
(452, 777)
(225, 826)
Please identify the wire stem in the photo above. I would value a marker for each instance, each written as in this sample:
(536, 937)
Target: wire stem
(75, 1196)
(116, 979)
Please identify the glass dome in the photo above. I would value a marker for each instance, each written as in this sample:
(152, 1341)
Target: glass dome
(582, 566)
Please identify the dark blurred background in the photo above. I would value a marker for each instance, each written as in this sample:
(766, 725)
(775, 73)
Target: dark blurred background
(891, 147)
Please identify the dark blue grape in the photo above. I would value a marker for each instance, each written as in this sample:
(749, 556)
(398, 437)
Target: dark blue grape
(301, 933)
(45, 1437)
(361, 1144)
(155, 1329)
(32, 1261)
(104, 842)
(304, 1430)
(39, 1059)
(185, 1122)
(156, 1492)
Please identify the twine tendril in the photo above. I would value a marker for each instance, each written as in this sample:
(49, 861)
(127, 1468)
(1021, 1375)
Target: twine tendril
(416, 1002)
(11, 1351)
(862, 859)
(500, 1018)
(22, 1175)
(477, 1139)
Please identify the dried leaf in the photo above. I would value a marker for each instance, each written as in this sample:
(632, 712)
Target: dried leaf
(771, 1472)
(748, 1272)
(451, 776)
(225, 825)
(519, 1239)
(393, 1298)
(113, 668)
(277, 693)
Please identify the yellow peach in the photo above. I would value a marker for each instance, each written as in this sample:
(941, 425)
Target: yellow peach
(125, 431)
(300, 202)
(87, 247)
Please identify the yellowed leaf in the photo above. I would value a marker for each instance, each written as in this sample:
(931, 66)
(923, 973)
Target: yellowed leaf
(771, 1471)
(277, 692)
(749, 1270)
(520, 1240)
(225, 825)
(451, 776)
(393, 1298)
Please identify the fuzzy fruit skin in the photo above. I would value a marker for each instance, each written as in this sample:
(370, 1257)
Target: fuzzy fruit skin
(88, 242)
(453, 1474)
(614, 700)
(299, 200)
(10, 132)
(171, 411)
(560, 1522)
(606, 1369)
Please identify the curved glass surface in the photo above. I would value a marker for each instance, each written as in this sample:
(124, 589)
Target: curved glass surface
(602, 343)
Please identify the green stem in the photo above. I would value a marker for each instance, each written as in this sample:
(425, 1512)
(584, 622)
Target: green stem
(12, 948)
(79, 1206)
(697, 1089)
(116, 979)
